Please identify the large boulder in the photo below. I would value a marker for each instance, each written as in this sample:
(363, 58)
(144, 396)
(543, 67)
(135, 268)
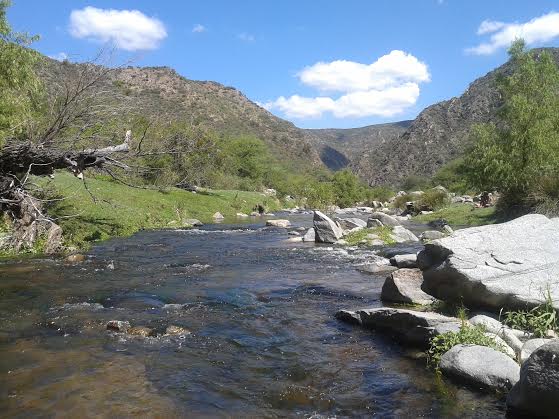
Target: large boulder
(509, 265)
(404, 286)
(385, 219)
(537, 392)
(351, 223)
(327, 231)
(408, 260)
(412, 327)
(480, 366)
(401, 235)
(310, 235)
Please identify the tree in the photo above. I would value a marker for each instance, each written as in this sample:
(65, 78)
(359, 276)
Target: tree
(347, 188)
(519, 156)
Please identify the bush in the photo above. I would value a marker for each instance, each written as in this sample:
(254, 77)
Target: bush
(347, 188)
(400, 201)
(452, 176)
(432, 200)
(415, 183)
(537, 321)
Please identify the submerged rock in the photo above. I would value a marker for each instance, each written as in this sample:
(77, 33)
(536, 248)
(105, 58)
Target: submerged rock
(177, 331)
(404, 286)
(278, 223)
(75, 258)
(141, 331)
(327, 231)
(508, 265)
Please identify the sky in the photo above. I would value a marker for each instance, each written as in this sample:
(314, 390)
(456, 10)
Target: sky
(318, 64)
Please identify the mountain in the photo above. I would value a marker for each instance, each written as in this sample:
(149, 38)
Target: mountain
(438, 135)
(339, 147)
(160, 93)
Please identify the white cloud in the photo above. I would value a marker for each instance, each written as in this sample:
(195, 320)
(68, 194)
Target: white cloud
(384, 88)
(61, 56)
(198, 28)
(246, 37)
(130, 30)
(538, 30)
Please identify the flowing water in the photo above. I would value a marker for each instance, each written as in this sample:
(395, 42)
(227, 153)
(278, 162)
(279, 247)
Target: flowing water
(263, 342)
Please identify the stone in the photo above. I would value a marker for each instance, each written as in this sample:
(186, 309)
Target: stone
(401, 235)
(75, 258)
(351, 223)
(310, 235)
(536, 394)
(504, 346)
(480, 366)
(54, 240)
(177, 331)
(294, 233)
(509, 265)
(193, 222)
(118, 325)
(278, 223)
(373, 222)
(431, 235)
(327, 231)
(376, 268)
(529, 347)
(218, 216)
(404, 286)
(405, 261)
(254, 214)
(385, 219)
(412, 327)
(242, 215)
(141, 331)
(496, 327)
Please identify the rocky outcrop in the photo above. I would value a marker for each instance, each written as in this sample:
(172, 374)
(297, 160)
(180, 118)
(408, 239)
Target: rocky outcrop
(480, 366)
(412, 327)
(509, 265)
(537, 392)
(327, 231)
(404, 286)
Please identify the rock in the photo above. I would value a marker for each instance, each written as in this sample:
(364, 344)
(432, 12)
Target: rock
(529, 347)
(54, 240)
(310, 235)
(408, 326)
(376, 268)
(218, 216)
(385, 219)
(350, 223)
(504, 346)
(404, 286)
(405, 261)
(431, 235)
(401, 235)
(75, 258)
(177, 331)
(507, 265)
(111, 266)
(278, 223)
(254, 214)
(294, 233)
(447, 229)
(193, 222)
(141, 331)
(118, 325)
(536, 394)
(497, 328)
(373, 222)
(242, 215)
(480, 366)
(327, 231)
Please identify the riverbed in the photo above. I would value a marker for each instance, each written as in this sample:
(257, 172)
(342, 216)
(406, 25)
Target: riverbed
(263, 341)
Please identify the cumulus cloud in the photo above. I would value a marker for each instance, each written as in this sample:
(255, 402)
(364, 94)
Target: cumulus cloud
(384, 88)
(130, 30)
(198, 28)
(61, 56)
(540, 29)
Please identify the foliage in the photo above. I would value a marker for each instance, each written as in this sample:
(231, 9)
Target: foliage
(469, 335)
(453, 177)
(380, 193)
(537, 321)
(461, 215)
(20, 88)
(356, 237)
(401, 200)
(415, 183)
(433, 199)
(348, 189)
(517, 155)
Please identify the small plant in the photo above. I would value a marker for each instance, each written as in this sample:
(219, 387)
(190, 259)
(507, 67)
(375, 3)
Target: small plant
(469, 335)
(356, 237)
(538, 321)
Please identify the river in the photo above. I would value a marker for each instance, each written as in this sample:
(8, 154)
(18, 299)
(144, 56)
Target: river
(263, 342)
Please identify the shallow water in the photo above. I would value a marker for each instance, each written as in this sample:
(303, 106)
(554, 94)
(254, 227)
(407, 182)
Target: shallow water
(264, 341)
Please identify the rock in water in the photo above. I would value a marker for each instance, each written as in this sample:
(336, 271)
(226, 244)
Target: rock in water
(480, 366)
(118, 325)
(141, 331)
(310, 235)
(537, 392)
(404, 286)
(218, 216)
(327, 231)
(193, 222)
(176, 331)
(385, 219)
(350, 223)
(404, 261)
(278, 223)
(401, 235)
(509, 265)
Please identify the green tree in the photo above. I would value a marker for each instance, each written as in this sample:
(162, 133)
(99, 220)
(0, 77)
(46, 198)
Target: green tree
(347, 188)
(519, 155)
(20, 88)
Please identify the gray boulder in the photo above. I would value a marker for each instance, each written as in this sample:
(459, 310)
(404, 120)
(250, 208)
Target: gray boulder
(405, 261)
(537, 392)
(431, 235)
(401, 235)
(350, 223)
(529, 347)
(310, 235)
(412, 327)
(480, 366)
(385, 219)
(278, 223)
(373, 222)
(509, 265)
(404, 286)
(327, 231)
(497, 328)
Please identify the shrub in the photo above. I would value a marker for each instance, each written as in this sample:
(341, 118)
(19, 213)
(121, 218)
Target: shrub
(400, 201)
(537, 321)
(433, 199)
(415, 183)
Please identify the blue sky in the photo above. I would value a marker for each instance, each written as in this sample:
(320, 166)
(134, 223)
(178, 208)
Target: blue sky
(379, 61)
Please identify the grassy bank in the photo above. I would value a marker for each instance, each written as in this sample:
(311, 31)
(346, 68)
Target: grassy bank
(461, 215)
(120, 210)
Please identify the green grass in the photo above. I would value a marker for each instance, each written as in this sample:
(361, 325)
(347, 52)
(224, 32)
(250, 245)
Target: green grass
(461, 214)
(121, 210)
(356, 237)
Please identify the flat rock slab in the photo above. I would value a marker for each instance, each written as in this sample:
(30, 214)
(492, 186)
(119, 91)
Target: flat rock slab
(409, 326)
(404, 286)
(510, 265)
(480, 366)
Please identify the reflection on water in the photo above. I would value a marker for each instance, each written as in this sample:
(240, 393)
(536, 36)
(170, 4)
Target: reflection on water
(264, 341)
